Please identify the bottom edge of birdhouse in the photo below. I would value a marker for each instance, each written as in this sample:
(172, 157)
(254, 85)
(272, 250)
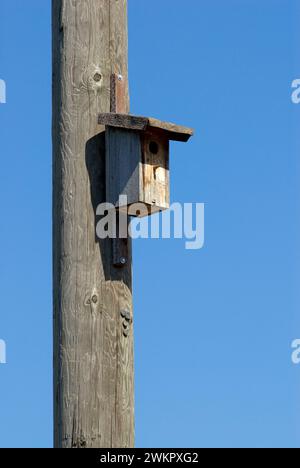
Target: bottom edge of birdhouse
(141, 210)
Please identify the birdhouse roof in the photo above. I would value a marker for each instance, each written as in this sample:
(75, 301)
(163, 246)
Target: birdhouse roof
(143, 124)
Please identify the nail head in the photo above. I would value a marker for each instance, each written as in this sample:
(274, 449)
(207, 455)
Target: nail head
(97, 77)
(128, 316)
(95, 299)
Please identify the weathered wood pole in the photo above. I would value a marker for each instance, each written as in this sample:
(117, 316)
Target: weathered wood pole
(93, 357)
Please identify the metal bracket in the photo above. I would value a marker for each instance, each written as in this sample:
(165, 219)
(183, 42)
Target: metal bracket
(120, 244)
(118, 105)
(118, 88)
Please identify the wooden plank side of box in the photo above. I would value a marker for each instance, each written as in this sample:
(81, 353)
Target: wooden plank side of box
(123, 157)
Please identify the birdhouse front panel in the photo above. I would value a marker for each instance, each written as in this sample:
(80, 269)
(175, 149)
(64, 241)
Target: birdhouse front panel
(155, 171)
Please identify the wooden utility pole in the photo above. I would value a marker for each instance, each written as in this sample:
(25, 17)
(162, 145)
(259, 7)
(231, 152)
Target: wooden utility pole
(93, 357)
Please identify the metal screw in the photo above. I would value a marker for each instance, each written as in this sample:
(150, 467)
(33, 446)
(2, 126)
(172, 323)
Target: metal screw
(120, 77)
(97, 77)
(123, 261)
(95, 299)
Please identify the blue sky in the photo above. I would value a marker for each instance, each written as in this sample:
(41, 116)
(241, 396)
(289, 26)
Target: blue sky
(213, 327)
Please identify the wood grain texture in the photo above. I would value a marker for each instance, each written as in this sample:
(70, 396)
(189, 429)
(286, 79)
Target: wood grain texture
(93, 357)
(123, 159)
(134, 122)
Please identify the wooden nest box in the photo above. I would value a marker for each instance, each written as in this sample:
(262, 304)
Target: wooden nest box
(137, 162)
